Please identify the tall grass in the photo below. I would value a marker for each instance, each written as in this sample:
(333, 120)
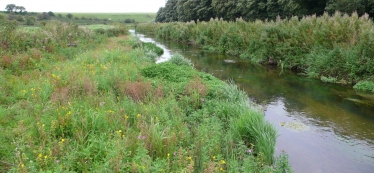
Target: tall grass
(109, 108)
(339, 46)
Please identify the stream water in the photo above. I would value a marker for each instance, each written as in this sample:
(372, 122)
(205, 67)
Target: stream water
(322, 127)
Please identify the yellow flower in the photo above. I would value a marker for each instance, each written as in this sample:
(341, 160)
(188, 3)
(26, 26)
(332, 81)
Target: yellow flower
(189, 158)
(126, 116)
(22, 165)
(214, 157)
(168, 154)
(138, 115)
(223, 162)
(62, 140)
(221, 169)
(40, 155)
(45, 157)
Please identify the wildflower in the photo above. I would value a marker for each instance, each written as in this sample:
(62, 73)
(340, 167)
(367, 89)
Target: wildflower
(45, 157)
(221, 169)
(62, 140)
(168, 154)
(189, 158)
(22, 165)
(249, 151)
(223, 162)
(126, 117)
(40, 155)
(214, 157)
(138, 115)
(141, 137)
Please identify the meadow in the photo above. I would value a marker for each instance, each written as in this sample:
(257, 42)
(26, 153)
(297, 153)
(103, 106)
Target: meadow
(84, 18)
(333, 48)
(75, 99)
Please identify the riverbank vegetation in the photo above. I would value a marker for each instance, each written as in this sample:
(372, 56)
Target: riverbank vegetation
(336, 48)
(76, 100)
(251, 10)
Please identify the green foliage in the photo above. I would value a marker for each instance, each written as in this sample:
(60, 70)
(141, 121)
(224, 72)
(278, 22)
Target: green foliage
(178, 59)
(328, 79)
(105, 107)
(364, 86)
(251, 10)
(336, 45)
(169, 72)
(69, 15)
(152, 47)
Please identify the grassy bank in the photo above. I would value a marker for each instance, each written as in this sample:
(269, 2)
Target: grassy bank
(336, 48)
(105, 106)
(35, 19)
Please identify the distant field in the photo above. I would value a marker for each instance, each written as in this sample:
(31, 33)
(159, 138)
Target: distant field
(89, 18)
(115, 17)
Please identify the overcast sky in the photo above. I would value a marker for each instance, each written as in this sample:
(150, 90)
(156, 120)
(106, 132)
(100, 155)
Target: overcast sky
(113, 6)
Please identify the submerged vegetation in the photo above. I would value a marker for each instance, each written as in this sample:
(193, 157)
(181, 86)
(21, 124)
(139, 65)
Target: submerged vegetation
(338, 48)
(75, 100)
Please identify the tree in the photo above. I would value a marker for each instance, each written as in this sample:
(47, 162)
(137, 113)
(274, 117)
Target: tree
(51, 14)
(69, 15)
(30, 20)
(160, 17)
(21, 9)
(59, 15)
(346, 6)
(10, 7)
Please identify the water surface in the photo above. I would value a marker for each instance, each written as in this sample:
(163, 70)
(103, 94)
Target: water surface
(322, 127)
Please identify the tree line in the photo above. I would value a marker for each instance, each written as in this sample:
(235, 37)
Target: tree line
(250, 10)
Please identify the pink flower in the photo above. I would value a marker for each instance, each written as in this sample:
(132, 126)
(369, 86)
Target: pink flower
(249, 151)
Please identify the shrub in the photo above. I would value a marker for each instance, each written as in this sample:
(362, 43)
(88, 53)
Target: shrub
(178, 59)
(152, 47)
(328, 79)
(364, 86)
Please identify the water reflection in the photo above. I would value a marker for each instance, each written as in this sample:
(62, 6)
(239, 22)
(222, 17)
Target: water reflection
(340, 137)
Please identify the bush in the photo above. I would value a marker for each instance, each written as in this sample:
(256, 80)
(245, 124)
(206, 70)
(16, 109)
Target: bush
(152, 47)
(364, 86)
(178, 59)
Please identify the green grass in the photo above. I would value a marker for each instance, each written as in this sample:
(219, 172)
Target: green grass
(92, 18)
(105, 106)
(116, 17)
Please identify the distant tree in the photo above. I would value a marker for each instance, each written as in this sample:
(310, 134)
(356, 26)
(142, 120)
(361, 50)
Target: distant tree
(21, 9)
(10, 7)
(160, 17)
(44, 16)
(170, 11)
(76, 18)
(129, 21)
(59, 15)
(16, 8)
(51, 14)
(30, 20)
(346, 6)
(69, 15)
